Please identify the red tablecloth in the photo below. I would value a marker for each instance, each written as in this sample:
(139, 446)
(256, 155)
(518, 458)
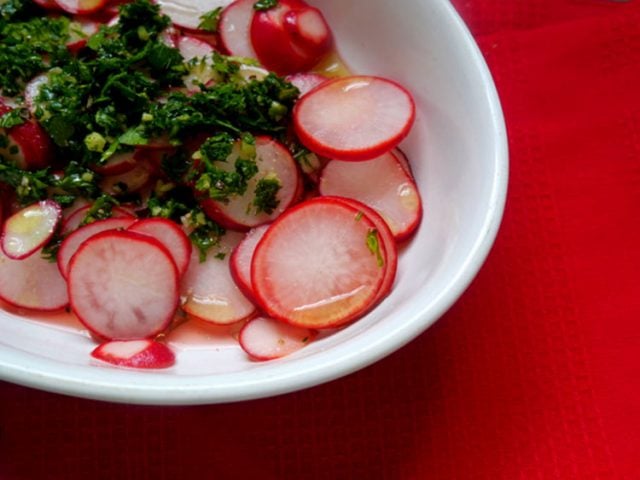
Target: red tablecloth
(534, 372)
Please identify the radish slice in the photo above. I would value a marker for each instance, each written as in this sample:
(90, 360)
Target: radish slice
(26, 231)
(127, 182)
(135, 354)
(386, 237)
(123, 285)
(50, 5)
(306, 81)
(234, 27)
(290, 37)
(32, 90)
(192, 47)
(242, 256)
(33, 283)
(82, 7)
(381, 183)
(81, 29)
(170, 235)
(273, 161)
(28, 146)
(117, 164)
(319, 265)
(187, 13)
(403, 161)
(75, 219)
(354, 118)
(70, 245)
(264, 338)
(208, 290)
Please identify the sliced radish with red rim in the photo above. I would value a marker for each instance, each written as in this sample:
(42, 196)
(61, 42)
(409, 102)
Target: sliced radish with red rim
(147, 354)
(77, 217)
(274, 161)
(117, 164)
(187, 13)
(381, 183)
(33, 283)
(306, 81)
(354, 118)
(82, 7)
(208, 289)
(386, 237)
(319, 265)
(264, 338)
(26, 231)
(234, 28)
(243, 255)
(170, 235)
(123, 285)
(70, 244)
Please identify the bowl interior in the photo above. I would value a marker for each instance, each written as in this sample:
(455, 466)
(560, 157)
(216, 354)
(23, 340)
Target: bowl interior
(458, 152)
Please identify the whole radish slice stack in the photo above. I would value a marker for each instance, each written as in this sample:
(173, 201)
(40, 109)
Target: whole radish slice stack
(123, 285)
(290, 37)
(28, 230)
(354, 118)
(135, 354)
(320, 265)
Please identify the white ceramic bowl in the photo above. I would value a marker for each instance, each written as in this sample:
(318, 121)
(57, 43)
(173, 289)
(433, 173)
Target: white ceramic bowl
(459, 152)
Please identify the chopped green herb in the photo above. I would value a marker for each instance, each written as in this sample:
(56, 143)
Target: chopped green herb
(209, 21)
(374, 246)
(265, 4)
(266, 193)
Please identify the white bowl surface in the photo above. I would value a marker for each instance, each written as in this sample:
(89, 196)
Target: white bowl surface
(458, 150)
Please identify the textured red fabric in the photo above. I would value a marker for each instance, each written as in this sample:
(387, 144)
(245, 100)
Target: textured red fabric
(533, 374)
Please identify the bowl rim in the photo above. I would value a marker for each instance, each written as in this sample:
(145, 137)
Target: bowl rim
(66, 379)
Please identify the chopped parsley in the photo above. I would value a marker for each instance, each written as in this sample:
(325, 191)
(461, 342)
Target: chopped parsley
(265, 199)
(265, 4)
(373, 244)
(209, 21)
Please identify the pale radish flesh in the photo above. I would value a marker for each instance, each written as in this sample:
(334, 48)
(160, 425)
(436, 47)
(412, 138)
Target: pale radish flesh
(123, 285)
(208, 290)
(384, 235)
(127, 182)
(33, 283)
(187, 13)
(81, 6)
(306, 81)
(354, 118)
(191, 47)
(381, 183)
(71, 243)
(234, 28)
(274, 162)
(27, 230)
(242, 256)
(147, 354)
(264, 338)
(170, 235)
(315, 267)
(32, 90)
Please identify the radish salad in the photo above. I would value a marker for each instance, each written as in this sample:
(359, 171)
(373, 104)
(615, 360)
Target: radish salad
(177, 161)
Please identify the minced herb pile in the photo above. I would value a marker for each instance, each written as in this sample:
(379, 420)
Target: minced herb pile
(125, 89)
